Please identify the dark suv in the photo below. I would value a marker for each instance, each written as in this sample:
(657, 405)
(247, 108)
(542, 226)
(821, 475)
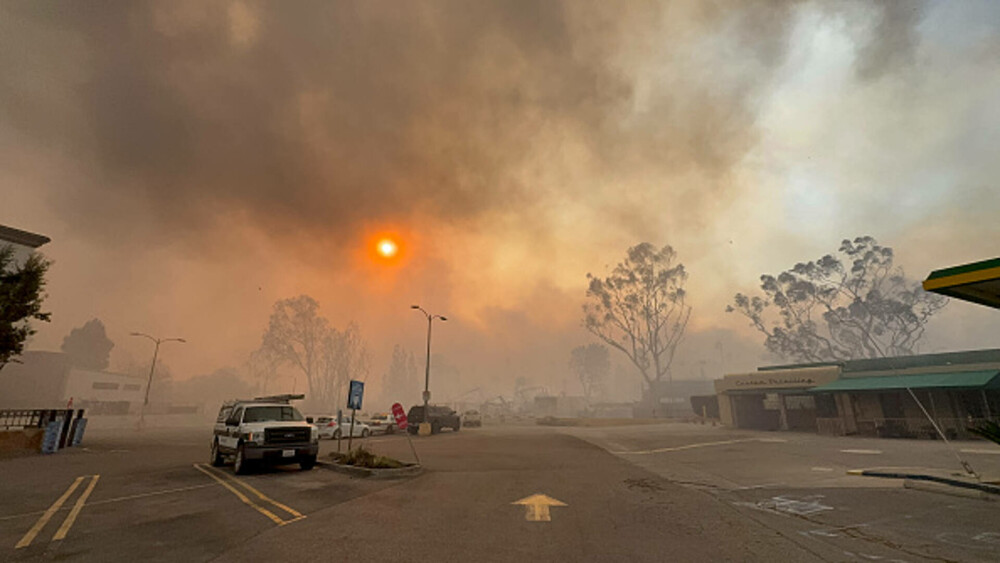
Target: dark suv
(440, 417)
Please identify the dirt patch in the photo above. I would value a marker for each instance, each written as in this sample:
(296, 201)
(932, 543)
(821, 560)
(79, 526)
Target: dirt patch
(16, 443)
(644, 484)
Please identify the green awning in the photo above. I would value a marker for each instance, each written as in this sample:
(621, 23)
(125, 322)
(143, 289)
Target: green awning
(962, 379)
(978, 282)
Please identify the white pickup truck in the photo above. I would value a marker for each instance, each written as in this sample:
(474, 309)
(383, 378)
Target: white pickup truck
(265, 429)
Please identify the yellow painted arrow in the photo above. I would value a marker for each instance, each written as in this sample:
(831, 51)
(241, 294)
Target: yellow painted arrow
(538, 507)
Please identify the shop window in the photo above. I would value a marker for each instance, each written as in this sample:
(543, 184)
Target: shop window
(799, 402)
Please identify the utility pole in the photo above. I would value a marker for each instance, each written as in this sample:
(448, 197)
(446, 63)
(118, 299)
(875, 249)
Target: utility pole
(427, 369)
(152, 368)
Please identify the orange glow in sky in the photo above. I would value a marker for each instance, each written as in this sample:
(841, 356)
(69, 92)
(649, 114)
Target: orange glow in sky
(387, 248)
(385, 252)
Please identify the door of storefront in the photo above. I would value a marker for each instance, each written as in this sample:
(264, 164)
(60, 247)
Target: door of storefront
(800, 411)
(750, 412)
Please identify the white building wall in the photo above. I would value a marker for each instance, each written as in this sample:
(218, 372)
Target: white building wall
(88, 385)
(23, 242)
(21, 252)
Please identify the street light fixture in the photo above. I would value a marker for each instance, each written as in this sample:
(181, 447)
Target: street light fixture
(427, 371)
(152, 366)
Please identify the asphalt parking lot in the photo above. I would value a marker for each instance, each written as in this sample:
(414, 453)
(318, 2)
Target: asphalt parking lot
(126, 497)
(638, 493)
(799, 483)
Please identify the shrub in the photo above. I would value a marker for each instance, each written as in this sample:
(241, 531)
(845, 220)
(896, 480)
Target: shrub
(365, 458)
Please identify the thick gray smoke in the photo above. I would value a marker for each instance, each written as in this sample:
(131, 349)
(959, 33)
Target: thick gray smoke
(195, 161)
(320, 116)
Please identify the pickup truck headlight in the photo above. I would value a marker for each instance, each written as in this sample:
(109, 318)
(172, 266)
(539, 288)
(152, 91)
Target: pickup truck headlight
(314, 434)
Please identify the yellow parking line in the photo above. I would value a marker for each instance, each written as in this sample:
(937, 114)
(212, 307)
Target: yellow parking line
(30, 536)
(274, 518)
(298, 515)
(266, 498)
(71, 518)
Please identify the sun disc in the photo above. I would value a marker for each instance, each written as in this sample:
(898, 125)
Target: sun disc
(387, 248)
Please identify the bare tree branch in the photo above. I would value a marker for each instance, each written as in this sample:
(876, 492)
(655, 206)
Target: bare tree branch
(867, 306)
(640, 309)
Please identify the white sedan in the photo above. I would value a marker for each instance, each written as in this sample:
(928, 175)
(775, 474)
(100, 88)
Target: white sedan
(382, 422)
(329, 429)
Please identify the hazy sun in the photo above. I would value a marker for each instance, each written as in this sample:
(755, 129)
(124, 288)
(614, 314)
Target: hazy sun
(387, 248)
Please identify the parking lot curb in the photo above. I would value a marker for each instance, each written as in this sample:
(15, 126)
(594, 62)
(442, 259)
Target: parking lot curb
(369, 473)
(941, 488)
(971, 485)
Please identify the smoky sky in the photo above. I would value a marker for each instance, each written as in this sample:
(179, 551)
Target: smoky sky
(324, 115)
(189, 157)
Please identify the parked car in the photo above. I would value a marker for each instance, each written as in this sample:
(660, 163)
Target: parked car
(264, 429)
(330, 430)
(325, 424)
(472, 418)
(438, 417)
(382, 422)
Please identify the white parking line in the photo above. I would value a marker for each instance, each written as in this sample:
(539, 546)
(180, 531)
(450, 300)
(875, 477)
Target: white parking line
(864, 452)
(986, 452)
(822, 469)
(116, 499)
(700, 445)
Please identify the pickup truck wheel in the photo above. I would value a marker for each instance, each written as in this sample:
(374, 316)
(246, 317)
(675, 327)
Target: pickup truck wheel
(456, 427)
(336, 434)
(240, 461)
(307, 463)
(389, 430)
(435, 428)
(364, 433)
(216, 457)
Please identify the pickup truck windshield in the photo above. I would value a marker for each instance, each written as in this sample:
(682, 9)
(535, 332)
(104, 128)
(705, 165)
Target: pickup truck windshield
(265, 414)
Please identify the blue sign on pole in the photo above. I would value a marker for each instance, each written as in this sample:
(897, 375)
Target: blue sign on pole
(357, 392)
(50, 440)
(81, 425)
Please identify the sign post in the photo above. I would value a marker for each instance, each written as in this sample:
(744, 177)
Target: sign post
(400, 415)
(354, 403)
(340, 427)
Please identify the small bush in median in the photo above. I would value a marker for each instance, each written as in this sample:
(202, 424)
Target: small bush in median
(364, 458)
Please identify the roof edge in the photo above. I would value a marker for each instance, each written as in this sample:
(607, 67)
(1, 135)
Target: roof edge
(965, 268)
(17, 236)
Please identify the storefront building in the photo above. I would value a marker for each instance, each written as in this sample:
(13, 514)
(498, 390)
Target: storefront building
(880, 397)
(887, 397)
(774, 398)
(868, 397)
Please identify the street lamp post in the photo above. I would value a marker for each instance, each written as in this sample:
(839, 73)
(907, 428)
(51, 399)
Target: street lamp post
(152, 367)
(427, 370)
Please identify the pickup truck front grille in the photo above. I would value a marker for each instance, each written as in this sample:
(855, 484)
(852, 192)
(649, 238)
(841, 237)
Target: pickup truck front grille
(285, 435)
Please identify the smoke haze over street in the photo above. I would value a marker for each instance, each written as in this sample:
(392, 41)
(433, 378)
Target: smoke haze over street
(194, 162)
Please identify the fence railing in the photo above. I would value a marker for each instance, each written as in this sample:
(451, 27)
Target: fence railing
(62, 427)
(16, 419)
